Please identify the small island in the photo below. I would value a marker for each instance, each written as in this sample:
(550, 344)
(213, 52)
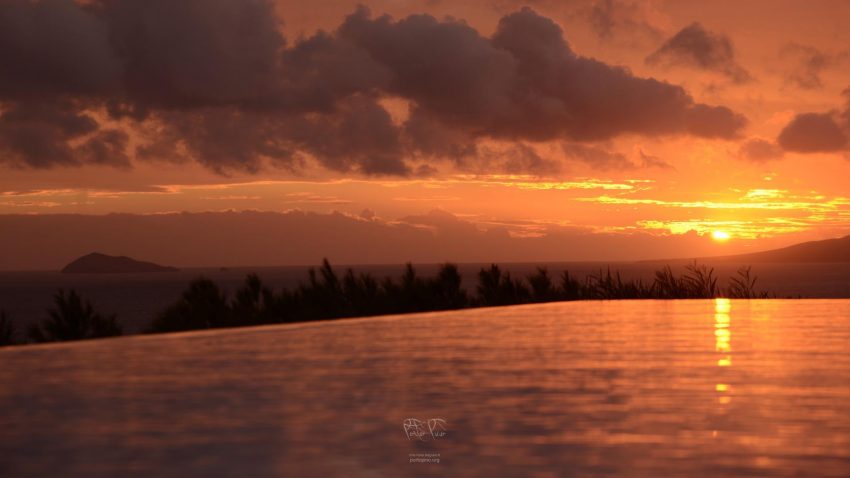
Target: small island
(97, 263)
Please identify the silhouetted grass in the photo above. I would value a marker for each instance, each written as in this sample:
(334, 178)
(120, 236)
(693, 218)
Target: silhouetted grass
(744, 286)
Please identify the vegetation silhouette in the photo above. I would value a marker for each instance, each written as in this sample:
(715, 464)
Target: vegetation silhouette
(202, 306)
(744, 286)
(73, 318)
(326, 295)
(8, 333)
(497, 288)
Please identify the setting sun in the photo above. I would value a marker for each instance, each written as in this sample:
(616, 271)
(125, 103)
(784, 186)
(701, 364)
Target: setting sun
(720, 236)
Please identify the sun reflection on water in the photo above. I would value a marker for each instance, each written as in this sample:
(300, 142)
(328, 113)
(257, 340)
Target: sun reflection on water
(722, 334)
(722, 344)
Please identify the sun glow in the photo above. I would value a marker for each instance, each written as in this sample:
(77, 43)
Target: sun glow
(720, 236)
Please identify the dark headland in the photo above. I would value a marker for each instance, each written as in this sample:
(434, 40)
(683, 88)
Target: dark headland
(825, 251)
(829, 250)
(97, 263)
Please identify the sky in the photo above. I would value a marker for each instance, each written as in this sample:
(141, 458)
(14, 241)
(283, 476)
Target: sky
(713, 127)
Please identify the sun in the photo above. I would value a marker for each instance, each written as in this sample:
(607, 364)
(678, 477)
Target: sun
(720, 236)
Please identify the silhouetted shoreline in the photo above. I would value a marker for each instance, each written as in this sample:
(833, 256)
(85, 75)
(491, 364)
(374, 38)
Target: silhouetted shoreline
(327, 295)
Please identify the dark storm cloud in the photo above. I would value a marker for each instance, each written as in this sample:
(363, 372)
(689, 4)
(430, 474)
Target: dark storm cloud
(697, 47)
(194, 53)
(525, 82)
(53, 47)
(357, 136)
(37, 135)
(446, 67)
(216, 82)
(322, 70)
(107, 146)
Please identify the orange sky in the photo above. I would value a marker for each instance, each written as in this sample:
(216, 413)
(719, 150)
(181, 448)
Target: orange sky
(767, 61)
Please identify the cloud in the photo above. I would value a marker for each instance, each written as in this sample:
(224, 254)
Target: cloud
(813, 133)
(822, 132)
(651, 161)
(696, 47)
(807, 64)
(39, 135)
(596, 157)
(217, 83)
(610, 18)
(760, 150)
(194, 53)
(524, 83)
(52, 48)
(603, 159)
(424, 239)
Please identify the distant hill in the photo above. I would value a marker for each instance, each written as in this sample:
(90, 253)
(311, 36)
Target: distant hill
(96, 263)
(829, 250)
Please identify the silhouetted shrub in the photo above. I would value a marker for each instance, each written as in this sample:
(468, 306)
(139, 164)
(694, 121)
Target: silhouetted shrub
(8, 334)
(73, 318)
(202, 306)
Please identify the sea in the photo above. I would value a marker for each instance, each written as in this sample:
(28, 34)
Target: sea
(695, 388)
(137, 298)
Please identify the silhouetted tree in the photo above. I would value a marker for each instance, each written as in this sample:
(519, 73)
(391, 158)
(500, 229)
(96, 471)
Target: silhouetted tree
(203, 305)
(73, 318)
(411, 290)
(362, 294)
(542, 288)
(7, 330)
(496, 288)
(446, 291)
(253, 303)
(325, 295)
(321, 297)
(489, 281)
